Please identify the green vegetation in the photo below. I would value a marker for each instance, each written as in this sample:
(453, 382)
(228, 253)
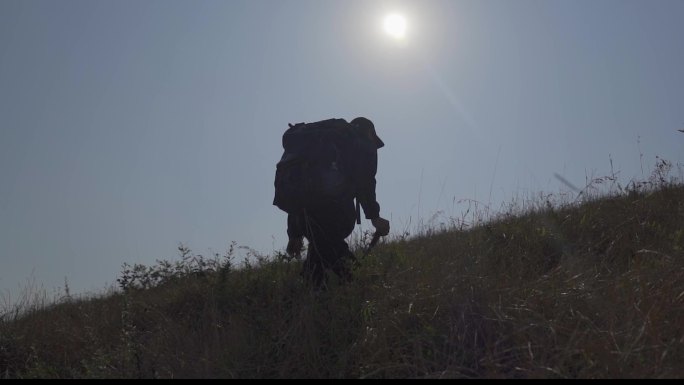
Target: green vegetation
(591, 289)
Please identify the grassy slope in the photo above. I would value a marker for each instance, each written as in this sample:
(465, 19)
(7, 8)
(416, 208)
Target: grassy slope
(595, 290)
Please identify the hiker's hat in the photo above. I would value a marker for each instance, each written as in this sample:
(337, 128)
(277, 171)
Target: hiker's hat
(368, 128)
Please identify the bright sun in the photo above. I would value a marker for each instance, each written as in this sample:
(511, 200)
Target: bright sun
(395, 26)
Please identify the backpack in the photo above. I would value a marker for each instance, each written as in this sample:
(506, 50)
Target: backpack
(314, 169)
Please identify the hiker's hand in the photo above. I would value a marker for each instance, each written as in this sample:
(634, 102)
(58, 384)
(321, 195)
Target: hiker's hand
(382, 226)
(294, 246)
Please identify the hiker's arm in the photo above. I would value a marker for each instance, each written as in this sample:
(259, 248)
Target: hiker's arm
(367, 168)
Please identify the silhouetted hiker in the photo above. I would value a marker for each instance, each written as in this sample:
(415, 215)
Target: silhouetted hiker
(324, 167)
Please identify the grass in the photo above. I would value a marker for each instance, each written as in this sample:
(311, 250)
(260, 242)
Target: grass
(591, 288)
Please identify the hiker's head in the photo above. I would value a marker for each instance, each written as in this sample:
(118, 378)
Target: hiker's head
(366, 127)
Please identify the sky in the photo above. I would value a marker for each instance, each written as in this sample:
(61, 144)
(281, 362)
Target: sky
(128, 127)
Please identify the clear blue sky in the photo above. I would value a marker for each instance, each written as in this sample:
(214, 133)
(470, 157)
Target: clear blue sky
(128, 126)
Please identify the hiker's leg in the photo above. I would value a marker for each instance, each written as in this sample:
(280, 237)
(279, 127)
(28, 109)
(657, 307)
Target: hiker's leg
(339, 221)
(326, 230)
(315, 263)
(313, 270)
(341, 266)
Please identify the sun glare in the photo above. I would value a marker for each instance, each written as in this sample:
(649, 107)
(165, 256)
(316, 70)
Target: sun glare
(395, 25)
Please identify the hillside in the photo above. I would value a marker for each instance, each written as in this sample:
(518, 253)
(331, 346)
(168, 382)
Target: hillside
(590, 290)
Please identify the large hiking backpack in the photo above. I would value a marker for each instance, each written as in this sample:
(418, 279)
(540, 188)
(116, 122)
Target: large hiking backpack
(314, 168)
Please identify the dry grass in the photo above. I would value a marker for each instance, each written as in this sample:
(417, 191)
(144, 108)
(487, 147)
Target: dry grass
(559, 290)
